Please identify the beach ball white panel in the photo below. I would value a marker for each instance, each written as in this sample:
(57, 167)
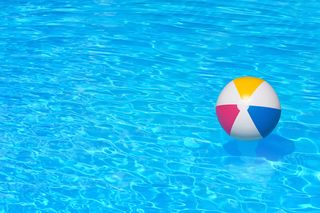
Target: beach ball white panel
(244, 128)
(265, 96)
(229, 95)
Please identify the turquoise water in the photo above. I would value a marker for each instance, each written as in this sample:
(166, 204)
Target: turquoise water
(109, 106)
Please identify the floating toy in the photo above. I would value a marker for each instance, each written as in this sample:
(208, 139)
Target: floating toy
(248, 108)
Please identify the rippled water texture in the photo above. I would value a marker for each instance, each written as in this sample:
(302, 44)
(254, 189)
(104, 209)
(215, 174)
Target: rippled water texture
(108, 106)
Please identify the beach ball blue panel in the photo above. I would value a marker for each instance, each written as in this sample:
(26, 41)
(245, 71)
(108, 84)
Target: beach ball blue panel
(264, 118)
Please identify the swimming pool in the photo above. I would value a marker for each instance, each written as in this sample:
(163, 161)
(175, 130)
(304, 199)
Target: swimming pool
(109, 106)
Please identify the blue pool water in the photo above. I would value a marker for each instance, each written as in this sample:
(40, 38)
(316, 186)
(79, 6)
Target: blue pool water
(109, 106)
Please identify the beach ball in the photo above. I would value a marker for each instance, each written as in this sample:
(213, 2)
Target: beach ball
(248, 108)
